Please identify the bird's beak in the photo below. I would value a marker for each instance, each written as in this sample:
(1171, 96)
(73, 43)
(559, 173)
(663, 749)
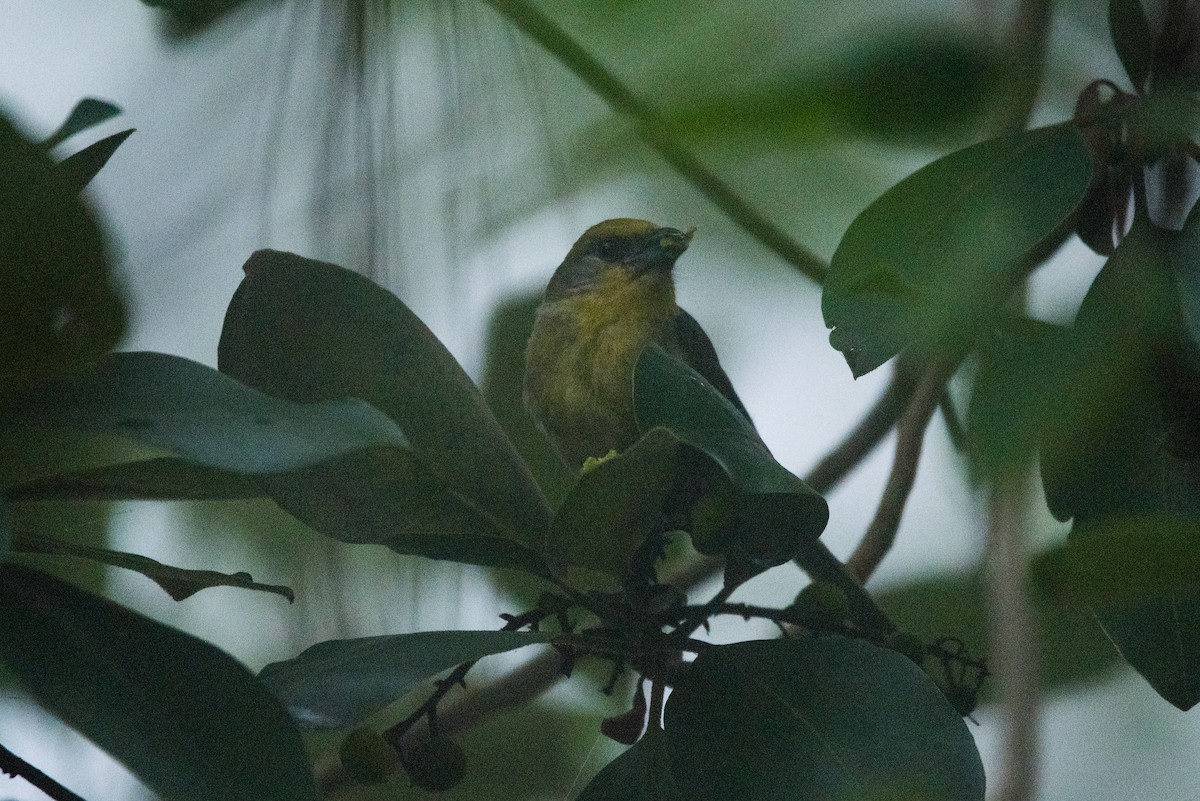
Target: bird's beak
(663, 247)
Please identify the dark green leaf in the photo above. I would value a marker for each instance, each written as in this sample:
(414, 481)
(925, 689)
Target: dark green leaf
(643, 773)
(816, 718)
(913, 86)
(1015, 395)
(183, 716)
(308, 330)
(1184, 257)
(1131, 38)
(339, 682)
(775, 512)
(933, 260)
(58, 309)
(78, 169)
(162, 479)
(5, 531)
(614, 506)
(1071, 647)
(1131, 559)
(177, 405)
(177, 582)
(1124, 449)
(87, 113)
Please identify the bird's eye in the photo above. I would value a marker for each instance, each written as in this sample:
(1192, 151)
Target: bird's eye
(608, 249)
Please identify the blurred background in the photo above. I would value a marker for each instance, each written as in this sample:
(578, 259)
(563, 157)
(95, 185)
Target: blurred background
(433, 146)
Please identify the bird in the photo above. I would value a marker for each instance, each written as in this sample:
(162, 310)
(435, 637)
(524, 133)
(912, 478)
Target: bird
(613, 294)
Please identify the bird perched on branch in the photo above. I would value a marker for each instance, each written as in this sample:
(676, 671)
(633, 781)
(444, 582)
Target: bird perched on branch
(613, 294)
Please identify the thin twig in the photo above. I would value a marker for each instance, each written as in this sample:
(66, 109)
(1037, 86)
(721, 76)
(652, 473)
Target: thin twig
(13, 765)
(881, 533)
(655, 132)
(1013, 640)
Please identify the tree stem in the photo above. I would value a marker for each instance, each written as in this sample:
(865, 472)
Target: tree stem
(881, 533)
(13, 765)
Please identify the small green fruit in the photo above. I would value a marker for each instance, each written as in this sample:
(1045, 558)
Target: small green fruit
(436, 764)
(821, 605)
(367, 757)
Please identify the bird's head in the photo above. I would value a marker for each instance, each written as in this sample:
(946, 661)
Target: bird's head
(619, 256)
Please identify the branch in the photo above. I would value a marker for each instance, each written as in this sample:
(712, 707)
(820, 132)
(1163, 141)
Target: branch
(656, 133)
(881, 533)
(13, 765)
(1013, 635)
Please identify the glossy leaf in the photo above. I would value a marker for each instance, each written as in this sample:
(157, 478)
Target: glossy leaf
(178, 582)
(643, 773)
(59, 311)
(78, 169)
(161, 479)
(775, 512)
(933, 259)
(87, 113)
(614, 506)
(816, 718)
(182, 715)
(1125, 448)
(1132, 40)
(172, 404)
(308, 330)
(339, 682)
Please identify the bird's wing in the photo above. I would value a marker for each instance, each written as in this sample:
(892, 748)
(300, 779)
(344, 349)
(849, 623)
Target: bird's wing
(698, 351)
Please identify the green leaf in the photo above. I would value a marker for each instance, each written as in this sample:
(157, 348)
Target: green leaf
(1014, 396)
(1132, 40)
(816, 718)
(5, 531)
(176, 405)
(1124, 449)
(932, 261)
(642, 773)
(307, 330)
(59, 311)
(1184, 257)
(183, 716)
(78, 169)
(614, 506)
(87, 113)
(1072, 649)
(775, 513)
(162, 479)
(912, 86)
(339, 682)
(177, 582)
